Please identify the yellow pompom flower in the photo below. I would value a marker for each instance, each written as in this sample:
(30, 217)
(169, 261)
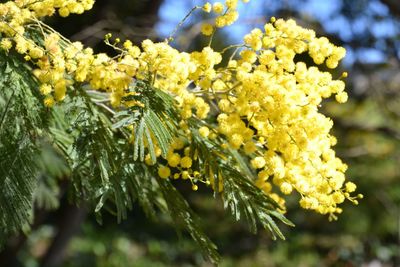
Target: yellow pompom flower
(207, 29)
(186, 162)
(36, 52)
(207, 7)
(338, 197)
(350, 187)
(64, 12)
(164, 172)
(231, 3)
(218, 7)
(45, 89)
(173, 159)
(236, 140)
(49, 101)
(342, 97)
(185, 175)
(249, 147)
(204, 131)
(5, 44)
(220, 22)
(258, 162)
(286, 188)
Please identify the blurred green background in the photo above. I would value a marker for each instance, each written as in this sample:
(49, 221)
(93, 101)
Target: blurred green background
(367, 127)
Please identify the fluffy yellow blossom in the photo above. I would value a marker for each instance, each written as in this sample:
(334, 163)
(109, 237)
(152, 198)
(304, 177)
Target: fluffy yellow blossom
(49, 101)
(227, 13)
(5, 44)
(45, 89)
(341, 97)
(218, 7)
(36, 52)
(254, 39)
(236, 140)
(186, 162)
(350, 187)
(249, 147)
(164, 172)
(207, 29)
(204, 131)
(258, 162)
(207, 7)
(173, 159)
(286, 188)
(185, 175)
(231, 3)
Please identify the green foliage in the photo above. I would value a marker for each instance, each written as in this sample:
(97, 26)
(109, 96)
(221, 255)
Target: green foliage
(85, 142)
(22, 117)
(183, 215)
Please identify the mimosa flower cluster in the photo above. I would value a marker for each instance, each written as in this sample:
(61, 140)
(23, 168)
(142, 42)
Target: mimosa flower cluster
(226, 13)
(265, 101)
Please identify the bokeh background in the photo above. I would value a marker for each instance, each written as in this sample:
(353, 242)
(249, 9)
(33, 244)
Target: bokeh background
(367, 127)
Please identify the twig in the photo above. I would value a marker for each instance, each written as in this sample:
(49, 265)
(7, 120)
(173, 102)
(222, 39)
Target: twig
(171, 36)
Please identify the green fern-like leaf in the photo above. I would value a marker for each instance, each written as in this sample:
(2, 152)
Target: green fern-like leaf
(22, 120)
(182, 214)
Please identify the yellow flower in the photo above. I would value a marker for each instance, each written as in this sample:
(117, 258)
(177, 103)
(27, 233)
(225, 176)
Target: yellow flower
(258, 162)
(49, 101)
(218, 7)
(36, 52)
(231, 3)
(204, 131)
(164, 172)
(185, 175)
(45, 89)
(207, 7)
(173, 159)
(186, 162)
(286, 188)
(341, 97)
(350, 187)
(6, 44)
(207, 29)
(64, 12)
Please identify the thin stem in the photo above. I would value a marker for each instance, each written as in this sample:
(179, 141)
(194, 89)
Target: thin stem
(234, 53)
(251, 117)
(232, 46)
(40, 26)
(171, 36)
(212, 36)
(105, 107)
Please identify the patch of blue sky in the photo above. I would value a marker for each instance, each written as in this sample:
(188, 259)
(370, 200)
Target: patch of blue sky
(360, 25)
(341, 26)
(320, 9)
(171, 12)
(252, 14)
(384, 28)
(378, 8)
(370, 56)
(350, 57)
(257, 12)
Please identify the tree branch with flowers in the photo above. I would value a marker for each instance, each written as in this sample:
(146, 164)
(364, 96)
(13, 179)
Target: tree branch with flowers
(127, 126)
